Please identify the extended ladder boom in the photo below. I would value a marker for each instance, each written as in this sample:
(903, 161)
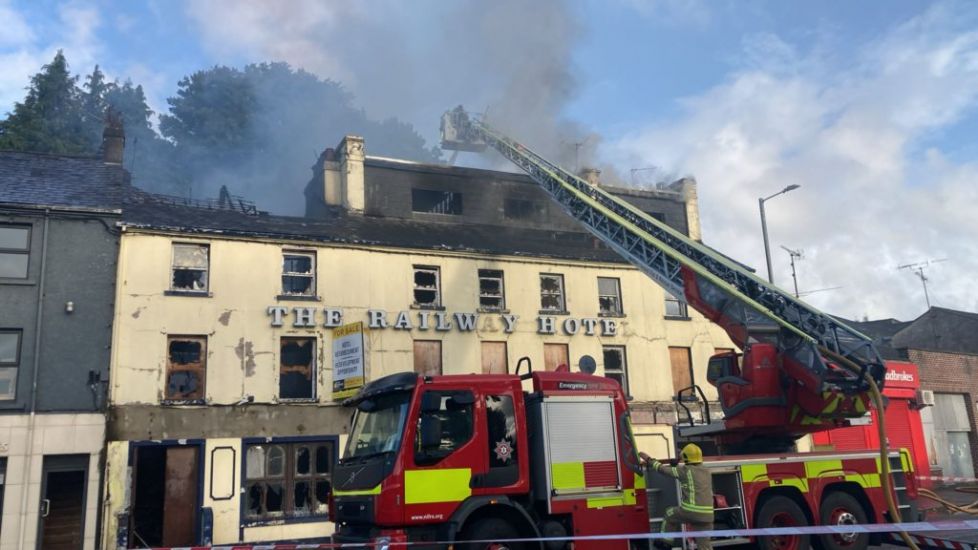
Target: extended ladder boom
(744, 304)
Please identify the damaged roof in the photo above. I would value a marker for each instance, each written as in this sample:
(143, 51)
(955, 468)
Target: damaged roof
(40, 179)
(147, 211)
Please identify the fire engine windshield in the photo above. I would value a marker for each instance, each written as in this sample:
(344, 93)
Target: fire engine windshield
(378, 426)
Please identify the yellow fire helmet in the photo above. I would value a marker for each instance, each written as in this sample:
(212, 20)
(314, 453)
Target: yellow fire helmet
(692, 454)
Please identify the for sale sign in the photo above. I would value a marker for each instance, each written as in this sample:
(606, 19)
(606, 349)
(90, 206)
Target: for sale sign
(347, 360)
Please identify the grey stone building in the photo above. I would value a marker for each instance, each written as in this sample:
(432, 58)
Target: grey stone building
(58, 250)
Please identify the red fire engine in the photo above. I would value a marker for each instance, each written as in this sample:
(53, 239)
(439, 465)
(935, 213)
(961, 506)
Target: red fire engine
(479, 458)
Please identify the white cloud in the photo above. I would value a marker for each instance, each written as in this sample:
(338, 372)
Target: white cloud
(870, 199)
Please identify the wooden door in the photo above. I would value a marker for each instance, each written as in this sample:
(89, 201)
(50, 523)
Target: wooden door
(682, 368)
(494, 358)
(427, 357)
(180, 497)
(62, 510)
(555, 355)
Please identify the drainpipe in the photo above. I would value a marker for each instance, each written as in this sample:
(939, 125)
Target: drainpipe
(33, 407)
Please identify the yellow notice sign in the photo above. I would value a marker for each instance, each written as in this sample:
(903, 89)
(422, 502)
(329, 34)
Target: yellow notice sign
(347, 360)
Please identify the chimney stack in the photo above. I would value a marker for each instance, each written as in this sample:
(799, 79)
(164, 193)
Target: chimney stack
(591, 175)
(113, 138)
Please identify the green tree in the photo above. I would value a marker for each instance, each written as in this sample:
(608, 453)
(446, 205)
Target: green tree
(50, 117)
(92, 105)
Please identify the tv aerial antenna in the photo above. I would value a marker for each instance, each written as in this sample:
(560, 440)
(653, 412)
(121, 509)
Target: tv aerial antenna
(918, 270)
(795, 255)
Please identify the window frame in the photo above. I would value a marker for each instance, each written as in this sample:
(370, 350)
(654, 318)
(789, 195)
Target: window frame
(470, 437)
(415, 268)
(167, 399)
(623, 371)
(313, 369)
(452, 200)
(206, 291)
(617, 298)
(683, 307)
(516, 209)
(26, 251)
(561, 293)
(488, 274)
(290, 442)
(15, 364)
(313, 293)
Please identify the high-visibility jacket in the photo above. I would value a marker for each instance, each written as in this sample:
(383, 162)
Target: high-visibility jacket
(695, 487)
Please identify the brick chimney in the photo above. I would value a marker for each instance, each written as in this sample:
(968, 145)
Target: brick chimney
(339, 172)
(113, 138)
(591, 175)
(687, 189)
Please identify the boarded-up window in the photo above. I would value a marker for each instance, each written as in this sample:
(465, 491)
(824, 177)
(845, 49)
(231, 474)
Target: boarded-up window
(491, 296)
(427, 288)
(299, 273)
(186, 367)
(555, 355)
(427, 357)
(552, 292)
(190, 267)
(609, 296)
(494, 358)
(682, 368)
(297, 368)
(288, 480)
(614, 365)
(15, 247)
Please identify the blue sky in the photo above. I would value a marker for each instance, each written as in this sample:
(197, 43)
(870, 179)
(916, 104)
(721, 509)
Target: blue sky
(869, 106)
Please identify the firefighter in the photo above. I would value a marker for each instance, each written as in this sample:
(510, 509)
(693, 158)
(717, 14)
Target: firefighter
(695, 496)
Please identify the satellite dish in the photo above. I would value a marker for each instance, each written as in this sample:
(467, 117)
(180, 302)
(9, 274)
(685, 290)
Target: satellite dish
(587, 364)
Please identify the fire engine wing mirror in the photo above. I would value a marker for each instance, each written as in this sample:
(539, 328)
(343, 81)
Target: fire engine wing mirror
(430, 432)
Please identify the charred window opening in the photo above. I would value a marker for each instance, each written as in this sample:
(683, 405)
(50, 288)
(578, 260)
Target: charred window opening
(297, 371)
(186, 368)
(429, 201)
(519, 209)
(609, 296)
(552, 292)
(614, 365)
(190, 266)
(657, 215)
(288, 480)
(15, 247)
(299, 274)
(491, 295)
(675, 307)
(427, 291)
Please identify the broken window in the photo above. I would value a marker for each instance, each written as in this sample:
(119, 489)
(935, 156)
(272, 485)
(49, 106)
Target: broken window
(288, 480)
(552, 292)
(675, 307)
(429, 201)
(609, 296)
(297, 368)
(519, 209)
(491, 295)
(299, 273)
(657, 215)
(190, 265)
(9, 362)
(15, 248)
(426, 286)
(186, 368)
(614, 365)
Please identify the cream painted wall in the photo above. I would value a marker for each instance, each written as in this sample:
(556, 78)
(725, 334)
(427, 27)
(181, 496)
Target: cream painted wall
(245, 279)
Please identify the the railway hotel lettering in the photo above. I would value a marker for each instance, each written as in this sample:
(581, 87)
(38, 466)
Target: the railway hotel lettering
(438, 321)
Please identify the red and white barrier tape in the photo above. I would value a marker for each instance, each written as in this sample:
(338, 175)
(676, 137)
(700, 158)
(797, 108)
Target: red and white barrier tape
(948, 478)
(879, 528)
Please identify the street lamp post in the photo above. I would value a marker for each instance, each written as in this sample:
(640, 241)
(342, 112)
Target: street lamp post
(767, 248)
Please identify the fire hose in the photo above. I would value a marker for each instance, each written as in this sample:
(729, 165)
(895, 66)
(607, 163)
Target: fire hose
(885, 479)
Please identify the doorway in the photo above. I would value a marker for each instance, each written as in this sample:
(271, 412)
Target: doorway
(62, 511)
(165, 496)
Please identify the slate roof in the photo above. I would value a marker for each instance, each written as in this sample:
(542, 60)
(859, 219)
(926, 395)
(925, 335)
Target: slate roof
(882, 332)
(60, 180)
(148, 211)
(941, 329)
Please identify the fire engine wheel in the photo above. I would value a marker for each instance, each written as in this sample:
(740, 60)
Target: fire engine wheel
(840, 509)
(490, 529)
(780, 511)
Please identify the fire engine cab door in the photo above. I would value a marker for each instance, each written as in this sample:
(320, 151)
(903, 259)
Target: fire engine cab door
(500, 442)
